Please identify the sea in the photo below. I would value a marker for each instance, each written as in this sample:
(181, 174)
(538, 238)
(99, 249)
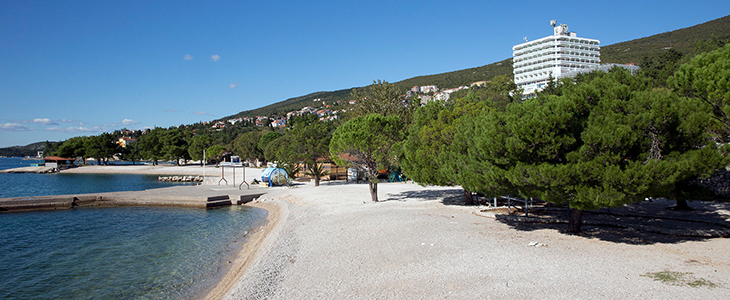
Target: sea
(113, 253)
(32, 184)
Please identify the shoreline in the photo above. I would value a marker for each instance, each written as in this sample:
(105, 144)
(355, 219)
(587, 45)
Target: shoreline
(331, 241)
(222, 186)
(207, 195)
(144, 170)
(251, 251)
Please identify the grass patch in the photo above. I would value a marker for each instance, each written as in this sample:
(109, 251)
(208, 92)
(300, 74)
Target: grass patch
(680, 279)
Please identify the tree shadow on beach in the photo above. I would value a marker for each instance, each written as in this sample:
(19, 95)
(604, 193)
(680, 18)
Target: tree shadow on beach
(637, 223)
(341, 182)
(605, 233)
(453, 196)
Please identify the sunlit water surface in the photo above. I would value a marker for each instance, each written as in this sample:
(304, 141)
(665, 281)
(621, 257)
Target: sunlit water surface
(114, 253)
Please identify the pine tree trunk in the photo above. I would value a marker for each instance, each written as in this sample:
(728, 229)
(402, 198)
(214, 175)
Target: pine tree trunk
(468, 199)
(682, 205)
(373, 190)
(316, 179)
(575, 218)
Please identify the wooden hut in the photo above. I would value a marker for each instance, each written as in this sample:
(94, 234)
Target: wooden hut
(58, 162)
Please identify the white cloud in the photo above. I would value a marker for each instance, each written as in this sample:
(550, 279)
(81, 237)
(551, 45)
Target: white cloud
(232, 85)
(13, 127)
(215, 57)
(170, 110)
(44, 121)
(200, 113)
(75, 129)
(127, 122)
(188, 57)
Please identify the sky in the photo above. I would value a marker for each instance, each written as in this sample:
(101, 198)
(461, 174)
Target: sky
(79, 68)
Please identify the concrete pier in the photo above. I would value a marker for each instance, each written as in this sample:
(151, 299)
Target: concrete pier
(204, 196)
(40, 169)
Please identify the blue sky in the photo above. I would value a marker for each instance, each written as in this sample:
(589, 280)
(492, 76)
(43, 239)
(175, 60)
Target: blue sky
(72, 68)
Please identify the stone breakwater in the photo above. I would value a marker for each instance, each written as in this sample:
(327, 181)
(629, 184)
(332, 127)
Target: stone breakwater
(180, 178)
(180, 196)
(38, 170)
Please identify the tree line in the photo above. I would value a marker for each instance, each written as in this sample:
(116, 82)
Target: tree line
(602, 139)
(593, 141)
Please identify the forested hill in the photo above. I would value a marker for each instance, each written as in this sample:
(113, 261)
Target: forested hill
(20, 151)
(442, 80)
(681, 40)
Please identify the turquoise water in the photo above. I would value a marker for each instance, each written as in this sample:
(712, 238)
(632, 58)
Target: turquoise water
(119, 253)
(113, 253)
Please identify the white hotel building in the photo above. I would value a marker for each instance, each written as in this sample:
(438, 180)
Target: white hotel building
(557, 55)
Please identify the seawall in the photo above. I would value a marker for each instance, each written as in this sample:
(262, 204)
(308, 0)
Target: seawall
(178, 196)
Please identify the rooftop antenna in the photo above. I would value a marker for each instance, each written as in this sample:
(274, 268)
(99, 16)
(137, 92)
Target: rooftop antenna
(525, 38)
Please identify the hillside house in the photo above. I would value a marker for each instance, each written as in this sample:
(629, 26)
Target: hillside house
(279, 123)
(429, 89)
(219, 125)
(482, 83)
(124, 141)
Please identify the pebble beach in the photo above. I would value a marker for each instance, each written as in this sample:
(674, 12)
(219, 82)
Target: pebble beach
(332, 242)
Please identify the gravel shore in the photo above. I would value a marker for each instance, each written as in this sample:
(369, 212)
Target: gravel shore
(213, 174)
(332, 242)
(419, 243)
(143, 169)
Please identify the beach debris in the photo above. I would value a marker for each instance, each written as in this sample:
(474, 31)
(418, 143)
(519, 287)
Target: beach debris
(180, 178)
(536, 244)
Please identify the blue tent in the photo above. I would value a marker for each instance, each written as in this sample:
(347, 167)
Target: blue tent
(274, 176)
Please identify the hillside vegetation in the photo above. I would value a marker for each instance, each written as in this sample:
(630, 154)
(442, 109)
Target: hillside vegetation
(460, 77)
(681, 40)
(281, 108)
(27, 150)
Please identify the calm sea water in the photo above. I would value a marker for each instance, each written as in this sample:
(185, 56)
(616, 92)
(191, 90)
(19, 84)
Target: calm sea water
(116, 253)
(31, 184)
